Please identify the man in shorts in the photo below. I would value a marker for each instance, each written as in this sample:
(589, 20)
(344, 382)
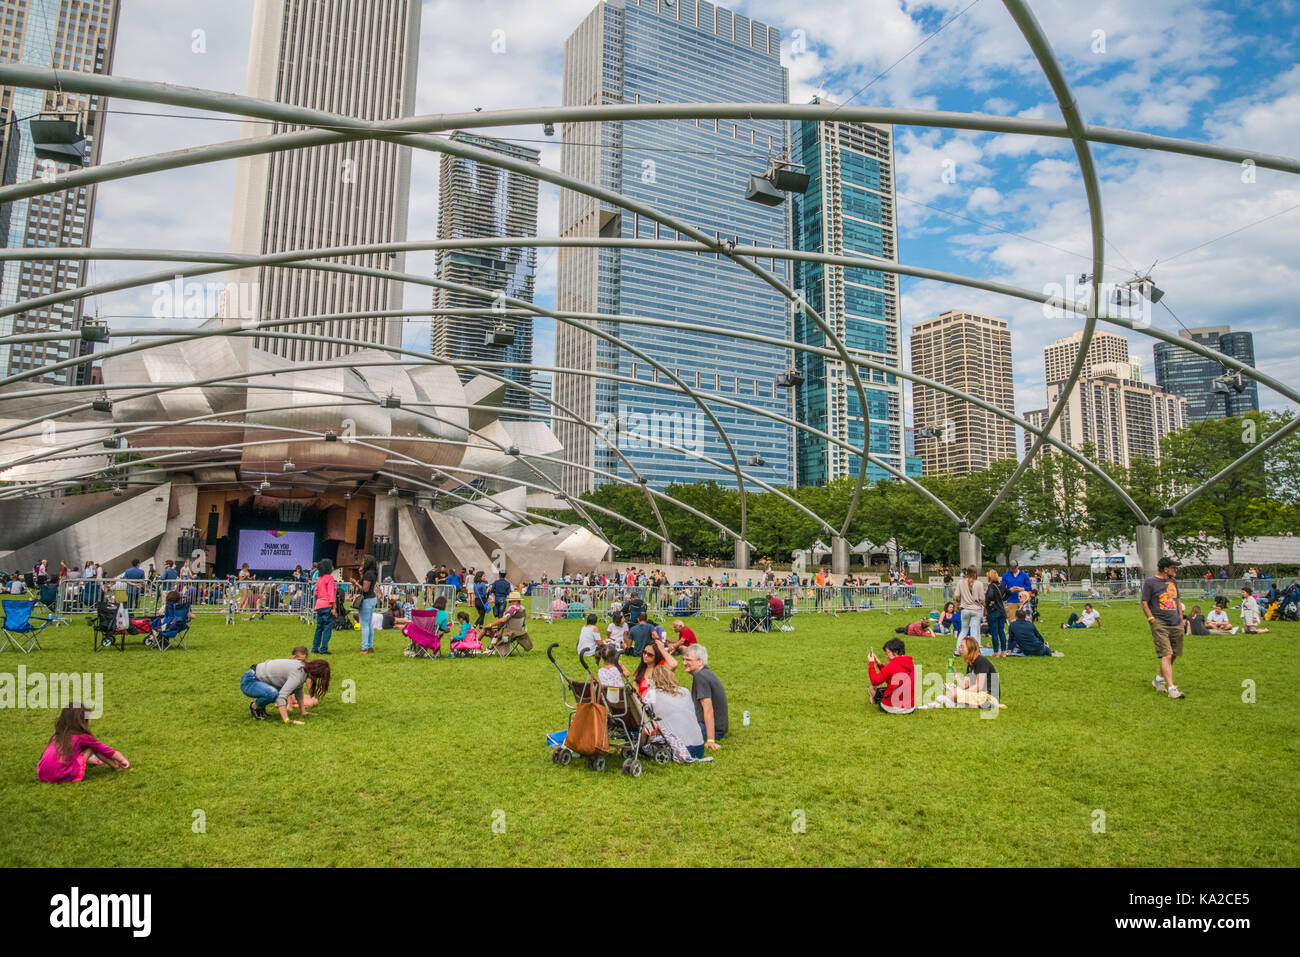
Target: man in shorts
(1160, 603)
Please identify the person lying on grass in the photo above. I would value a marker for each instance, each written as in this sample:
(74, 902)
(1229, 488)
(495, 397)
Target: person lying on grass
(1091, 618)
(313, 688)
(72, 747)
(896, 696)
(917, 629)
(978, 687)
(275, 680)
(1026, 636)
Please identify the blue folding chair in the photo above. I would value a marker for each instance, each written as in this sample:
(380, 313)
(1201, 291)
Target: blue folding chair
(20, 629)
(171, 629)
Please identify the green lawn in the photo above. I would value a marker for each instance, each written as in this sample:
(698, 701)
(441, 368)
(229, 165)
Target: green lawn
(413, 771)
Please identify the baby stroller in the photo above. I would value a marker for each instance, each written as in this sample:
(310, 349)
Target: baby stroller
(343, 619)
(629, 721)
(422, 630)
(111, 624)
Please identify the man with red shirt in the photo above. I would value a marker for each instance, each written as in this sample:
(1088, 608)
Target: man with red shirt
(898, 696)
(775, 606)
(685, 637)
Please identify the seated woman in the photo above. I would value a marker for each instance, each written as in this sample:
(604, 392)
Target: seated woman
(674, 711)
(616, 633)
(653, 655)
(978, 687)
(559, 607)
(897, 696)
(1217, 620)
(1026, 636)
(1194, 624)
(1250, 616)
(946, 626)
(313, 687)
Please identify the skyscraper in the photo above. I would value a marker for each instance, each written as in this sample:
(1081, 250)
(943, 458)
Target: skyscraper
(1121, 416)
(644, 51)
(847, 210)
(1192, 376)
(477, 201)
(1058, 358)
(970, 352)
(78, 37)
(353, 57)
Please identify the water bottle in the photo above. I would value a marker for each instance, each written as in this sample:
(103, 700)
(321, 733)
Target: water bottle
(745, 719)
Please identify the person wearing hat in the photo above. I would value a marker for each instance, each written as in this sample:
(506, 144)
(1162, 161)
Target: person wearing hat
(512, 626)
(1017, 585)
(1161, 605)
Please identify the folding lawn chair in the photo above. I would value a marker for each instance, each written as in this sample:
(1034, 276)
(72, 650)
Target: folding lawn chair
(422, 630)
(49, 596)
(20, 629)
(171, 629)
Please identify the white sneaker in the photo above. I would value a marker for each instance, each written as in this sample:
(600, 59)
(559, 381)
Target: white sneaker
(1235, 629)
(1175, 693)
(1158, 683)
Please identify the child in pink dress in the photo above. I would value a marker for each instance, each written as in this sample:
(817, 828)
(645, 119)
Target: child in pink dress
(73, 747)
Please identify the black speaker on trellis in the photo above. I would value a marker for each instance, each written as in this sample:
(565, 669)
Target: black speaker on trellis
(384, 549)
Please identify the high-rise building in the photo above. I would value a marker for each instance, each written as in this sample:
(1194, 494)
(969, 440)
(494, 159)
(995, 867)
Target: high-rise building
(1105, 347)
(353, 57)
(1037, 418)
(543, 383)
(848, 209)
(970, 352)
(645, 51)
(76, 37)
(1120, 416)
(477, 201)
(1192, 376)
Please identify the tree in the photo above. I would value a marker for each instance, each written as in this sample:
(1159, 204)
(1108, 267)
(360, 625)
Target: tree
(1055, 495)
(1234, 507)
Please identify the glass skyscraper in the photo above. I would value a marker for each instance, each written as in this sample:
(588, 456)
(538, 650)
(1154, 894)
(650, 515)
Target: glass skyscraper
(477, 201)
(848, 209)
(76, 37)
(1192, 376)
(646, 51)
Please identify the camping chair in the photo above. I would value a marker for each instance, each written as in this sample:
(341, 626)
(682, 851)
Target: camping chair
(19, 628)
(422, 630)
(171, 628)
(759, 616)
(50, 599)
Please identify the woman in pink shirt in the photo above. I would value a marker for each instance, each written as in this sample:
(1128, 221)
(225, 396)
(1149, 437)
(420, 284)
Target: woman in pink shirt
(326, 591)
(73, 747)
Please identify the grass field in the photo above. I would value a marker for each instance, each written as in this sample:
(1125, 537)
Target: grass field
(418, 768)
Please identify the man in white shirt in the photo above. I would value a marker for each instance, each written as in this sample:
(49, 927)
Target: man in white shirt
(1091, 618)
(1217, 620)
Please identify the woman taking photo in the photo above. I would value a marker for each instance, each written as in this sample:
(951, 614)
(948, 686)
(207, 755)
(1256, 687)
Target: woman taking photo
(367, 587)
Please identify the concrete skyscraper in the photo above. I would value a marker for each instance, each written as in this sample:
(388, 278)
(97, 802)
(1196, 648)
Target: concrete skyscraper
(1192, 376)
(75, 37)
(476, 201)
(847, 210)
(970, 352)
(1105, 347)
(643, 51)
(352, 57)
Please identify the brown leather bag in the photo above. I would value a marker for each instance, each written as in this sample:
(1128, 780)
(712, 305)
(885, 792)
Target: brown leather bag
(588, 731)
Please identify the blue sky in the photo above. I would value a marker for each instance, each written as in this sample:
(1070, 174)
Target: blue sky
(1015, 211)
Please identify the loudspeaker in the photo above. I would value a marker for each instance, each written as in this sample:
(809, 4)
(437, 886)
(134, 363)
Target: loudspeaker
(360, 540)
(214, 526)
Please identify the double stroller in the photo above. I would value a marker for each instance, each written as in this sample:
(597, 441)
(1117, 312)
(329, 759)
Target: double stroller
(112, 624)
(630, 722)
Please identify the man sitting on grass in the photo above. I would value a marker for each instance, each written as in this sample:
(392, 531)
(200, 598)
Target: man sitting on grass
(1026, 636)
(685, 637)
(1091, 618)
(710, 697)
(1217, 620)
